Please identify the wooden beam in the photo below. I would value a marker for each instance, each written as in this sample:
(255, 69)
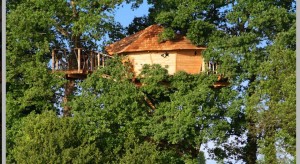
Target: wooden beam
(76, 76)
(149, 102)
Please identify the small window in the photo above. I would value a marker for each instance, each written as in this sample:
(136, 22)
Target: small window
(164, 55)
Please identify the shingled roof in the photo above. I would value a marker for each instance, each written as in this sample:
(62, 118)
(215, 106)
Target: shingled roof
(147, 40)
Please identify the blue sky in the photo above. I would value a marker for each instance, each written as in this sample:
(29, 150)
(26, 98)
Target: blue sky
(125, 15)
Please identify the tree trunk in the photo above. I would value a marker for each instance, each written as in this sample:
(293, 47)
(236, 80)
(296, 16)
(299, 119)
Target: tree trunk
(69, 88)
(251, 147)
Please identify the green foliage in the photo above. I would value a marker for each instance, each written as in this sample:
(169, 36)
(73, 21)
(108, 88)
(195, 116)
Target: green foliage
(115, 33)
(113, 120)
(45, 138)
(138, 24)
(252, 41)
(154, 79)
(180, 15)
(147, 153)
(118, 112)
(34, 28)
(167, 34)
(278, 86)
(166, 17)
(114, 107)
(199, 32)
(199, 112)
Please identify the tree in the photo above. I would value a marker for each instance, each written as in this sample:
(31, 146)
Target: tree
(169, 117)
(239, 36)
(183, 117)
(251, 57)
(43, 26)
(138, 24)
(46, 138)
(195, 19)
(188, 112)
(276, 121)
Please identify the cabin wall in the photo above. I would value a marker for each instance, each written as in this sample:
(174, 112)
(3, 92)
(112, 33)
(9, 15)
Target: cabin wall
(179, 60)
(139, 59)
(190, 61)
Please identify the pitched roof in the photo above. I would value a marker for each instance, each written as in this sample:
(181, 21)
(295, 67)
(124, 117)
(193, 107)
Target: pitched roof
(147, 40)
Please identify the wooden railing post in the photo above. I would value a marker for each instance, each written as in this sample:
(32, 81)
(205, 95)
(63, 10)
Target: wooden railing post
(98, 58)
(103, 60)
(65, 64)
(79, 59)
(92, 60)
(53, 61)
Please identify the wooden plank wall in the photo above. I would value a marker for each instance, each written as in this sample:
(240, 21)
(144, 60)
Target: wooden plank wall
(180, 60)
(189, 62)
(141, 58)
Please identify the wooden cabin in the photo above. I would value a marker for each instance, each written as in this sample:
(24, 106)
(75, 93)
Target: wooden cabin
(175, 55)
(76, 63)
(143, 48)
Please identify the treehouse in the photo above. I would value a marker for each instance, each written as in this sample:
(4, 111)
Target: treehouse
(175, 55)
(77, 63)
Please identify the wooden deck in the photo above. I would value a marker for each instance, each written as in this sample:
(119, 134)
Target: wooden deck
(218, 84)
(76, 63)
(74, 74)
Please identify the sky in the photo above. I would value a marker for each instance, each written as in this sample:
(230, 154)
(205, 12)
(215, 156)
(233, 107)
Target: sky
(125, 15)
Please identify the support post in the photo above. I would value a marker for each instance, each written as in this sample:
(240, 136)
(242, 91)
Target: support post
(98, 59)
(79, 59)
(203, 65)
(64, 57)
(92, 60)
(103, 61)
(53, 60)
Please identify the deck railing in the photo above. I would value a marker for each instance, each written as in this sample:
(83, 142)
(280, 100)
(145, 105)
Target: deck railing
(78, 59)
(212, 67)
